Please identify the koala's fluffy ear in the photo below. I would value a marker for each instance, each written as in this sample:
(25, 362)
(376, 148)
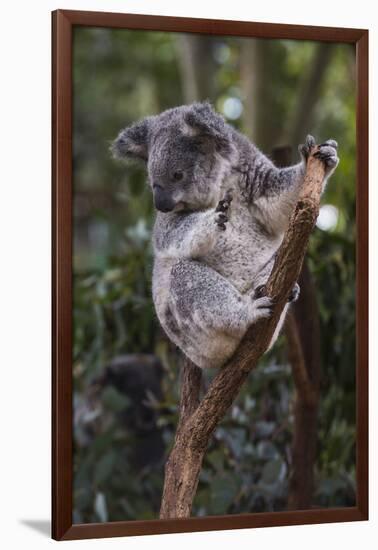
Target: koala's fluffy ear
(132, 142)
(201, 120)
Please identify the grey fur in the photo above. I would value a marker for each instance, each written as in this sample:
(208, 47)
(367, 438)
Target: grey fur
(212, 254)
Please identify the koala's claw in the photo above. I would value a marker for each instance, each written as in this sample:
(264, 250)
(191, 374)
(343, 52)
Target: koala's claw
(331, 143)
(260, 291)
(294, 294)
(221, 211)
(221, 219)
(225, 203)
(305, 148)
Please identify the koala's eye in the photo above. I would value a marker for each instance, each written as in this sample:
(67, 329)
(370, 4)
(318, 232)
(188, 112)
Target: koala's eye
(177, 176)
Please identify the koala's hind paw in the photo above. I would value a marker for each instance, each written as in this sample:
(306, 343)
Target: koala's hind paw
(327, 153)
(261, 307)
(294, 294)
(260, 291)
(222, 211)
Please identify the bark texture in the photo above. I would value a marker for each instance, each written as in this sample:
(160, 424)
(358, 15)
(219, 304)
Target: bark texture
(200, 420)
(258, 62)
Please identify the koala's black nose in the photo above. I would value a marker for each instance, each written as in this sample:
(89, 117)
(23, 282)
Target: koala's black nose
(162, 199)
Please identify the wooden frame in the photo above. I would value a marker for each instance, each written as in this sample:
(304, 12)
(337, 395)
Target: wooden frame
(62, 471)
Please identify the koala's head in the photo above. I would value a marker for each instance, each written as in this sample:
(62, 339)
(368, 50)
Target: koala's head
(186, 149)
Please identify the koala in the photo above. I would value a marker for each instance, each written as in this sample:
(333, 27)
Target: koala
(222, 210)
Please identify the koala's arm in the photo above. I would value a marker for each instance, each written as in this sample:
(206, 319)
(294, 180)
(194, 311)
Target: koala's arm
(273, 191)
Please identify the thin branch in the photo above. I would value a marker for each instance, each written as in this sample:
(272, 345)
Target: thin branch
(184, 464)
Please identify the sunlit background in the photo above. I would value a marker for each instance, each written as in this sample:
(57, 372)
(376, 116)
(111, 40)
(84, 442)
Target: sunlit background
(125, 370)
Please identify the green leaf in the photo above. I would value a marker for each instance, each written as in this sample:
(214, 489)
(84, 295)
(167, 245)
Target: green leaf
(273, 471)
(223, 492)
(104, 468)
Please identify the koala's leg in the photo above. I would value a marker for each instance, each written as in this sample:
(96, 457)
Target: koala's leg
(206, 316)
(202, 294)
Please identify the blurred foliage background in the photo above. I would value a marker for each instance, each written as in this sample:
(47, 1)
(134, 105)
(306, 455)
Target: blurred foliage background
(126, 373)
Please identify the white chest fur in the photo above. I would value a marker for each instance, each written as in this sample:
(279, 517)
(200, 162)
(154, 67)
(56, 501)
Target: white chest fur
(243, 249)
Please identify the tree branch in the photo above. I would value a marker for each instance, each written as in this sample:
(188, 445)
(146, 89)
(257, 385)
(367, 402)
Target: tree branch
(184, 463)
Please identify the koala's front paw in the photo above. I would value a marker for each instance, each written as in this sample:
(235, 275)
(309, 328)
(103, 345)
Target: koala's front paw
(327, 153)
(222, 211)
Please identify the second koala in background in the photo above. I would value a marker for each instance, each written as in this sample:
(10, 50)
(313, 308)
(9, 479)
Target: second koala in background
(223, 208)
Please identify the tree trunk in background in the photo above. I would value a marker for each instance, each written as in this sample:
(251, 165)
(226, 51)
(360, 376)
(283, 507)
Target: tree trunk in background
(261, 119)
(303, 338)
(250, 77)
(265, 121)
(309, 92)
(197, 67)
(306, 410)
